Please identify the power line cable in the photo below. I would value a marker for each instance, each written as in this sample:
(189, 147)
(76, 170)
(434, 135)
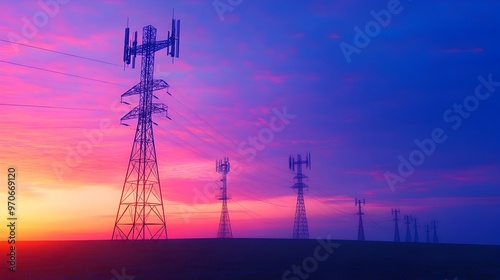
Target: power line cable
(63, 53)
(61, 73)
(47, 107)
(248, 209)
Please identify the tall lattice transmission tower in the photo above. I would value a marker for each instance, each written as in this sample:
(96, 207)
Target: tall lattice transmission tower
(415, 236)
(141, 213)
(223, 167)
(395, 213)
(300, 228)
(361, 231)
(408, 220)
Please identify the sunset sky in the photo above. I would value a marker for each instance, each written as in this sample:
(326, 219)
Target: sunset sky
(426, 73)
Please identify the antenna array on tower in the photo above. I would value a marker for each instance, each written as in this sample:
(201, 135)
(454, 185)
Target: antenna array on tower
(131, 50)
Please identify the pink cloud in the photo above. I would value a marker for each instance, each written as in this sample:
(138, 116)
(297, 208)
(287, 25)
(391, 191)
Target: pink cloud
(242, 47)
(311, 77)
(375, 174)
(269, 76)
(231, 17)
(327, 141)
(476, 175)
(298, 35)
(260, 110)
(334, 36)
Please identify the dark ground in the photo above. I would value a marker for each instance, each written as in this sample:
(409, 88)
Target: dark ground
(250, 259)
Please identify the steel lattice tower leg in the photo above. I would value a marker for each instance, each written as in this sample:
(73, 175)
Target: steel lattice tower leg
(361, 231)
(140, 213)
(224, 223)
(300, 227)
(224, 231)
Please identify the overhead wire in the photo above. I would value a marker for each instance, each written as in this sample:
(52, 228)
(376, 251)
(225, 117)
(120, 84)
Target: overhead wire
(222, 151)
(317, 199)
(255, 213)
(196, 150)
(163, 137)
(107, 82)
(212, 126)
(97, 80)
(60, 73)
(261, 200)
(62, 53)
(47, 107)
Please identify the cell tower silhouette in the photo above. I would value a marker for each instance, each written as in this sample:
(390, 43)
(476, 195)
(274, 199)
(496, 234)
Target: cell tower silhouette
(300, 228)
(408, 222)
(428, 237)
(415, 232)
(140, 213)
(434, 228)
(223, 167)
(395, 212)
(361, 232)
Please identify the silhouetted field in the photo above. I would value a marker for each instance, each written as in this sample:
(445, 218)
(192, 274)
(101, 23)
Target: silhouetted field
(250, 259)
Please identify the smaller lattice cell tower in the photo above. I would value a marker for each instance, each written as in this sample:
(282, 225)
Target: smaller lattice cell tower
(222, 167)
(428, 237)
(361, 231)
(434, 225)
(300, 227)
(416, 231)
(408, 220)
(395, 213)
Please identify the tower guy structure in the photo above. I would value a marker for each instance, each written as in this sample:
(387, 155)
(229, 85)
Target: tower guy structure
(408, 220)
(395, 213)
(141, 213)
(300, 228)
(222, 167)
(361, 231)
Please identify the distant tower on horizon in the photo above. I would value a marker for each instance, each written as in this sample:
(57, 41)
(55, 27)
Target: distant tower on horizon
(428, 237)
(434, 228)
(223, 167)
(361, 232)
(395, 213)
(408, 222)
(300, 227)
(416, 232)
